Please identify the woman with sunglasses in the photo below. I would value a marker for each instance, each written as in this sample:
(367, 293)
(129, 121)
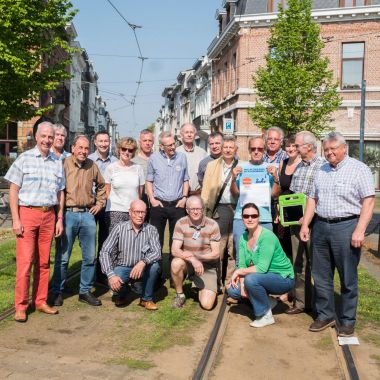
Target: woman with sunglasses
(263, 268)
(124, 182)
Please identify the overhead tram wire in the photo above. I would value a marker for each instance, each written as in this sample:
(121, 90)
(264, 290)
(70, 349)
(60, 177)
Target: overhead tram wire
(140, 57)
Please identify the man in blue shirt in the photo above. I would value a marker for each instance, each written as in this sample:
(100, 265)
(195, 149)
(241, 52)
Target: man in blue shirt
(167, 185)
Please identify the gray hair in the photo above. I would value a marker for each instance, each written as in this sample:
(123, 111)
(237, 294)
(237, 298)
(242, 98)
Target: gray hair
(146, 132)
(335, 136)
(275, 129)
(45, 124)
(308, 138)
(185, 124)
(78, 137)
(193, 198)
(228, 138)
(58, 127)
(164, 135)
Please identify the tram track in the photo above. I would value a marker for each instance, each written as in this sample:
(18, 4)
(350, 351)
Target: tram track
(215, 341)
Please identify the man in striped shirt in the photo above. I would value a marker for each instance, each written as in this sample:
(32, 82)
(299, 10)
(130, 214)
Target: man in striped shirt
(132, 251)
(196, 254)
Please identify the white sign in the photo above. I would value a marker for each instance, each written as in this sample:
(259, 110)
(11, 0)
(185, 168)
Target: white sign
(228, 126)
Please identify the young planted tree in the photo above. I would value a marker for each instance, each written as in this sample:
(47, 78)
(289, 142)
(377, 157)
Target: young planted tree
(296, 90)
(34, 53)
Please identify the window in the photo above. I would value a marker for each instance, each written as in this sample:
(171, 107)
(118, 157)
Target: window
(354, 3)
(352, 65)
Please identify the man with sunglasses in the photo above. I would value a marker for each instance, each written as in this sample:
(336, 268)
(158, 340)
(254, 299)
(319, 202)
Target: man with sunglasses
(196, 254)
(167, 185)
(256, 171)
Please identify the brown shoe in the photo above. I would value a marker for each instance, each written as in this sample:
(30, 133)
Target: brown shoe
(346, 330)
(45, 308)
(231, 301)
(149, 305)
(20, 316)
(319, 325)
(294, 310)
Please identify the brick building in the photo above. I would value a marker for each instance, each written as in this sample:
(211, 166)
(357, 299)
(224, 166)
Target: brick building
(351, 30)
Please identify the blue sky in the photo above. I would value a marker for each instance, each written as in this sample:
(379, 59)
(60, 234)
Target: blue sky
(171, 30)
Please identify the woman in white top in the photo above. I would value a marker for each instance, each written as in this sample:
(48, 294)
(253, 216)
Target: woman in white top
(124, 182)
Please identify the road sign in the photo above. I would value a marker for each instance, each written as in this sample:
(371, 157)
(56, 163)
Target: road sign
(228, 126)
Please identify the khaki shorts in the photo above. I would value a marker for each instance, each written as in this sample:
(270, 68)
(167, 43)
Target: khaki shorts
(208, 280)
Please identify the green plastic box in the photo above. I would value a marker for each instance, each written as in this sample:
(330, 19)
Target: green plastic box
(292, 208)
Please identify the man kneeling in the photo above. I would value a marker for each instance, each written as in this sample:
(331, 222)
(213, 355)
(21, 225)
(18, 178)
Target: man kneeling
(132, 251)
(195, 252)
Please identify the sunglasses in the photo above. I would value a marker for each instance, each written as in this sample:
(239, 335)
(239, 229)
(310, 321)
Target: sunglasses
(253, 149)
(252, 216)
(129, 150)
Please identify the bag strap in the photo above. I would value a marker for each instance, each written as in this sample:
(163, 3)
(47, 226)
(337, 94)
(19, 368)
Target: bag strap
(224, 186)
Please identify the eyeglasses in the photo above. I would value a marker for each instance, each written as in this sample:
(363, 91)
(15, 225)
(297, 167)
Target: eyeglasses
(332, 149)
(168, 145)
(137, 212)
(298, 145)
(253, 149)
(195, 209)
(129, 150)
(252, 216)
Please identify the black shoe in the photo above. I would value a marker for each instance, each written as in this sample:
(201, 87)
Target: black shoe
(57, 300)
(294, 310)
(90, 299)
(346, 330)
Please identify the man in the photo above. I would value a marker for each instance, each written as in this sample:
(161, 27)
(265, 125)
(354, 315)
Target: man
(220, 203)
(262, 183)
(302, 182)
(132, 251)
(57, 149)
(36, 188)
(146, 145)
(274, 153)
(167, 186)
(343, 198)
(194, 155)
(81, 207)
(102, 158)
(196, 254)
(215, 140)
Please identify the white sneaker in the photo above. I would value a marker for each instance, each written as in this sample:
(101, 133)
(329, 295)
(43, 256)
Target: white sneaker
(272, 302)
(266, 320)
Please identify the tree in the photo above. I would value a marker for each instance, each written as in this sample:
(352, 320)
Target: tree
(295, 90)
(34, 53)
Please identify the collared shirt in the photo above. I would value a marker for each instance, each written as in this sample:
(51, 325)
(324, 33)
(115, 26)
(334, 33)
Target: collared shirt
(102, 164)
(339, 191)
(125, 247)
(39, 178)
(203, 165)
(196, 238)
(168, 175)
(279, 156)
(304, 175)
(80, 180)
(227, 197)
(63, 155)
(194, 157)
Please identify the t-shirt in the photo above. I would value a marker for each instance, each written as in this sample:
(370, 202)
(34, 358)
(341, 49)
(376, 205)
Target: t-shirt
(265, 212)
(266, 256)
(125, 182)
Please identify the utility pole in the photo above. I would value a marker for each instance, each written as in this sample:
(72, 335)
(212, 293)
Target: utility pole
(362, 120)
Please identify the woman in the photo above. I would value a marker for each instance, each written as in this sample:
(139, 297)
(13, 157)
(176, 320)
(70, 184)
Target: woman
(124, 183)
(263, 268)
(286, 170)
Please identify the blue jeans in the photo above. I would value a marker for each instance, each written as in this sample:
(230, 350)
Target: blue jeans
(332, 249)
(238, 230)
(149, 278)
(258, 285)
(83, 226)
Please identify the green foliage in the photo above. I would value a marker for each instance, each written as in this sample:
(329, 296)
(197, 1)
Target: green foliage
(5, 163)
(371, 156)
(151, 127)
(296, 89)
(34, 53)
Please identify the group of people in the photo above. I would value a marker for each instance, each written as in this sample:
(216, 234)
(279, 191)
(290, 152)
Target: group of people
(224, 227)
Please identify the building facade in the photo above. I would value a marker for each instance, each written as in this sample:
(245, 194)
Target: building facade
(350, 29)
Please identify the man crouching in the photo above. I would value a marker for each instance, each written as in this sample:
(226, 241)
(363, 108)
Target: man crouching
(195, 252)
(132, 251)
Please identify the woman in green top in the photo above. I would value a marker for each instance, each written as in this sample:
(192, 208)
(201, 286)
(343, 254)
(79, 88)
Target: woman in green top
(263, 268)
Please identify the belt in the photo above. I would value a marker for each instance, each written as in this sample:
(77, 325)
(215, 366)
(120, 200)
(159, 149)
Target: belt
(169, 203)
(40, 208)
(77, 209)
(337, 220)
